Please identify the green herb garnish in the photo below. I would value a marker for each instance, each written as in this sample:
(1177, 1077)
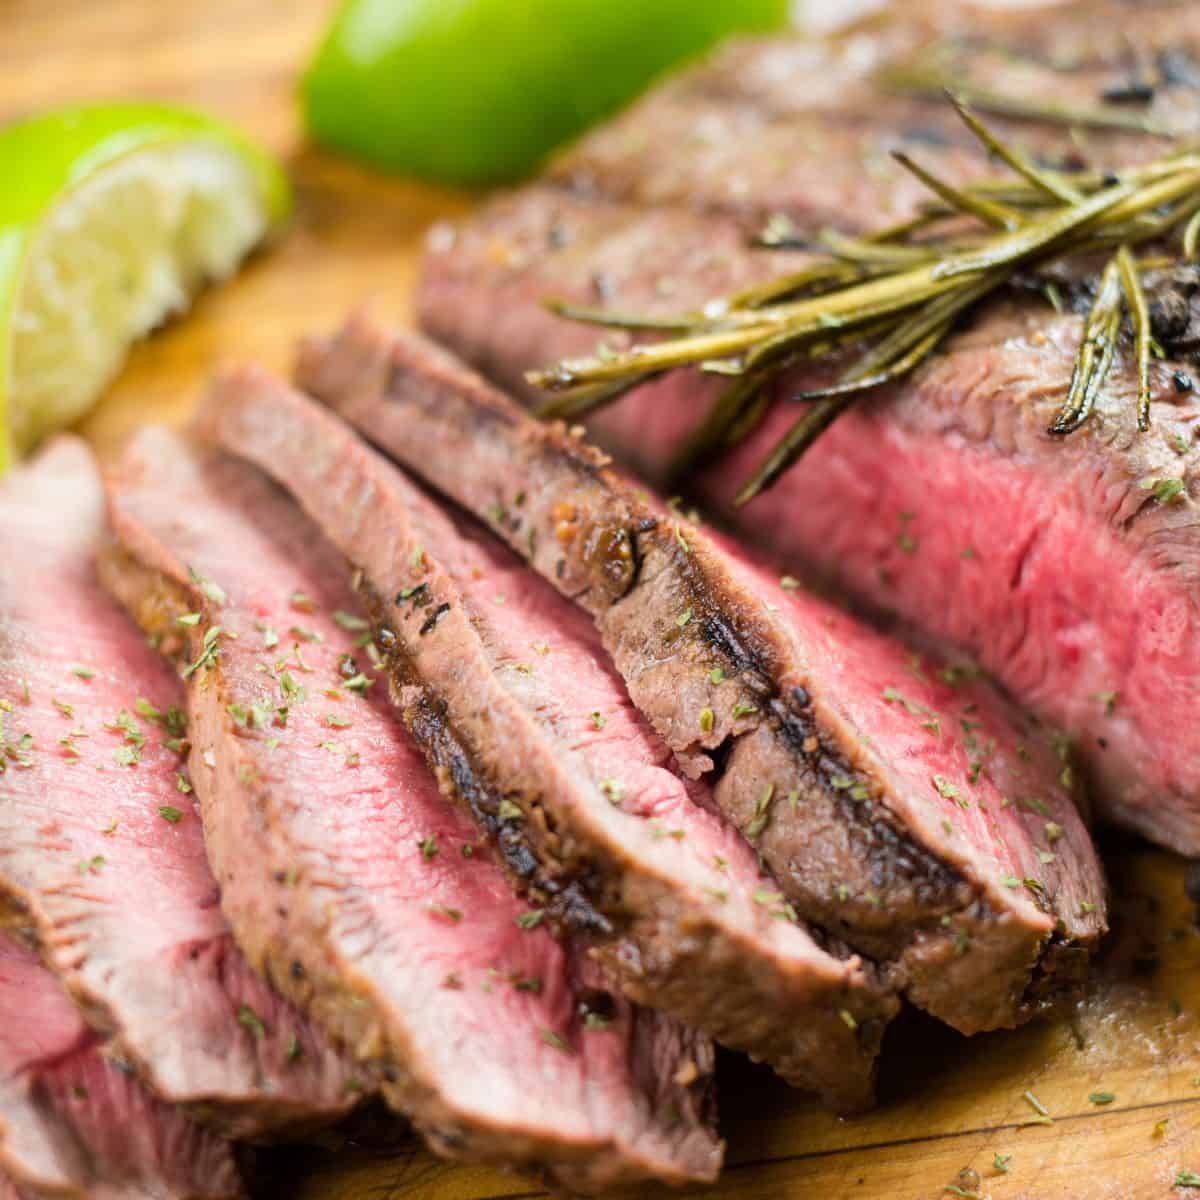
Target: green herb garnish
(552, 1039)
(127, 756)
(902, 290)
(211, 590)
(948, 791)
(1042, 1116)
(1163, 490)
(249, 1019)
(762, 812)
(208, 653)
(614, 791)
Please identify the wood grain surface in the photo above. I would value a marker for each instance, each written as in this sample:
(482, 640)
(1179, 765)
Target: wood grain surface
(947, 1103)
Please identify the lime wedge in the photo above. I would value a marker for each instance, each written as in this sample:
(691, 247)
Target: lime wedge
(111, 218)
(478, 91)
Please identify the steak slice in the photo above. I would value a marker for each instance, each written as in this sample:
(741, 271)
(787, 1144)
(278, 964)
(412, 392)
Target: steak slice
(901, 806)
(511, 695)
(72, 1121)
(1019, 595)
(352, 883)
(100, 844)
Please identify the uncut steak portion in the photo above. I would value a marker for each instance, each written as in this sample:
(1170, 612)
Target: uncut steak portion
(1065, 567)
(511, 695)
(352, 883)
(899, 804)
(100, 844)
(74, 1123)
(801, 128)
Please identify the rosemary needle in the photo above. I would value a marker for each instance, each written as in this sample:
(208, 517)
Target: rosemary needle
(1190, 236)
(1000, 216)
(1135, 299)
(1095, 352)
(927, 81)
(893, 296)
(1046, 182)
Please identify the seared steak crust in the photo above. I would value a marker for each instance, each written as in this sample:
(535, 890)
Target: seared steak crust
(878, 822)
(349, 880)
(506, 687)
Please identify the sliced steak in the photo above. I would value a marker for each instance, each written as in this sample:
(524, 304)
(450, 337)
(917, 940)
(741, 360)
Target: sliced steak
(1019, 595)
(1022, 576)
(74, 1122)
(511, 695)
(352, 883)
(100, 843)
(901, 806)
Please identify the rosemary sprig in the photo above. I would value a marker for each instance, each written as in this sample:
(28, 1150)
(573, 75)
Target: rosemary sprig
(895, 295)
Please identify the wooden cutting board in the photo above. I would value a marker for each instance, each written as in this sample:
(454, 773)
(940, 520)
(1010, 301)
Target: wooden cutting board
(946, 1102)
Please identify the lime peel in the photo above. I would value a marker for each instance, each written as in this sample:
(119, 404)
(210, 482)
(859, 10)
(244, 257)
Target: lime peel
(478, 91)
